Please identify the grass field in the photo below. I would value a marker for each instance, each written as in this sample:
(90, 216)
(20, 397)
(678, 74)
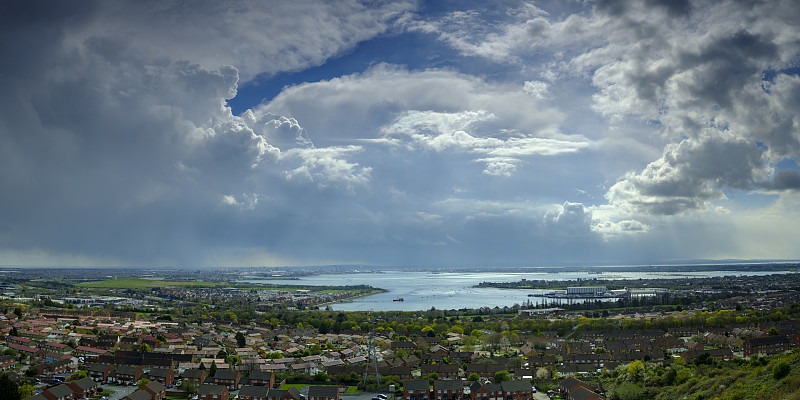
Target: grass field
(350, 389)
(138, 283)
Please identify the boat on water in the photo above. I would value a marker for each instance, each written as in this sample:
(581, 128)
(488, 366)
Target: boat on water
(399, 299)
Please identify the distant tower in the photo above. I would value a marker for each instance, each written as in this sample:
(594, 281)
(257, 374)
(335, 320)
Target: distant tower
(372, 357)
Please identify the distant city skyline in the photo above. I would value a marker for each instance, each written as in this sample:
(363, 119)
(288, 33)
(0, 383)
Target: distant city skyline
(419, 133)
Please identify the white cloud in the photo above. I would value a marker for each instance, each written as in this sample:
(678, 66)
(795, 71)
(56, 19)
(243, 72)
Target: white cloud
(442, 132)
(326, 166)
(571, 219)
(254, 37)
(536, 89)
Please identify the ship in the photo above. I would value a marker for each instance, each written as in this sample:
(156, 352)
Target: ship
(399, 299)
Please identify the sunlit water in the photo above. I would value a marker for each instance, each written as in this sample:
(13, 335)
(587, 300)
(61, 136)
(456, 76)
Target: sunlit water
(422, 290)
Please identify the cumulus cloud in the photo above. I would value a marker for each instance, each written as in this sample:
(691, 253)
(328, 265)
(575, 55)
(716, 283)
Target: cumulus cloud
(571, 219)
(443, 132)
(118, 145)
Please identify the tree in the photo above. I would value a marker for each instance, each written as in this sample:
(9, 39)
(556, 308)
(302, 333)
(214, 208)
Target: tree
(25, 390)
(240, 340)
(14, 331)
(31, 372)
(189, 386)
(542, 373)
(781, 370)
(773, 331)
(502, 376)
(515, 363)
(213, 370)
(143, 382)
(202, 367)
(144, 348)
(321, 377)
(473, 377)
(626, 391)
(635, 370)
(8, 389)
(222, 353)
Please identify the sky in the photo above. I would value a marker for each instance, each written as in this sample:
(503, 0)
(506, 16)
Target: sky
(398, 133)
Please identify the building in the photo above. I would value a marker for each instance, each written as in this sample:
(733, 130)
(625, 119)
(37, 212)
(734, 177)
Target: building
(585, 290)
(248, 392)
(766, 345)
(212, 392)
(323, 393)
(418, 389)
(448, 390)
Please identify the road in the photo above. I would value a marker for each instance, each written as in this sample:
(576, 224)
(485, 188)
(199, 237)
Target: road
(119, 391)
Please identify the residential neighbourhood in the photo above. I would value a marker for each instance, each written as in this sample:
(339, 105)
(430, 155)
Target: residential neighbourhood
(250, 351)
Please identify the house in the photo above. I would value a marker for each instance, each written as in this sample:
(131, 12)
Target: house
(262, 378)
(125, 374)
(402, 371)
(766, 345)
(448, 390)
(596, 360)
(517, 389)
(486, 391)
(571, 384)
(289, 394)
(56, 347)
(212, 392)
(485, 371)
(323, 393)
(163, 375)
(54, 368)
(138, 395)
(418, 389)
(84, 388)
(403, 344)
(445, 371)
(718, 354)
(229, 378)
(60, 392)
(89, 353)
(195, 375)
(157, 390)
(582, 393)
(254, 393)
(7, 362)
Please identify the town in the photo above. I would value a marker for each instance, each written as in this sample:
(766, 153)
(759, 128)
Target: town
(123, 338)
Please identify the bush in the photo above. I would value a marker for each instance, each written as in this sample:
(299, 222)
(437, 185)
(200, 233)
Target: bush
(780, 370)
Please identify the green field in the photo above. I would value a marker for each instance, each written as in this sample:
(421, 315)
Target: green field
(350, 389)
(139, 283)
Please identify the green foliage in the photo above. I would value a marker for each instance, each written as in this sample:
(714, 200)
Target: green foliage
(473, 377)
(8, 389)
(780, 370)
(240, 340)
(626, 391)
(502, 376)
(704, 359)
(189, 386)
(321, 377)
(26, 390)
(143, 382)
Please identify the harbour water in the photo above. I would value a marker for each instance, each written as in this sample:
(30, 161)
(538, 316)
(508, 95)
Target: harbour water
(422, 290)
